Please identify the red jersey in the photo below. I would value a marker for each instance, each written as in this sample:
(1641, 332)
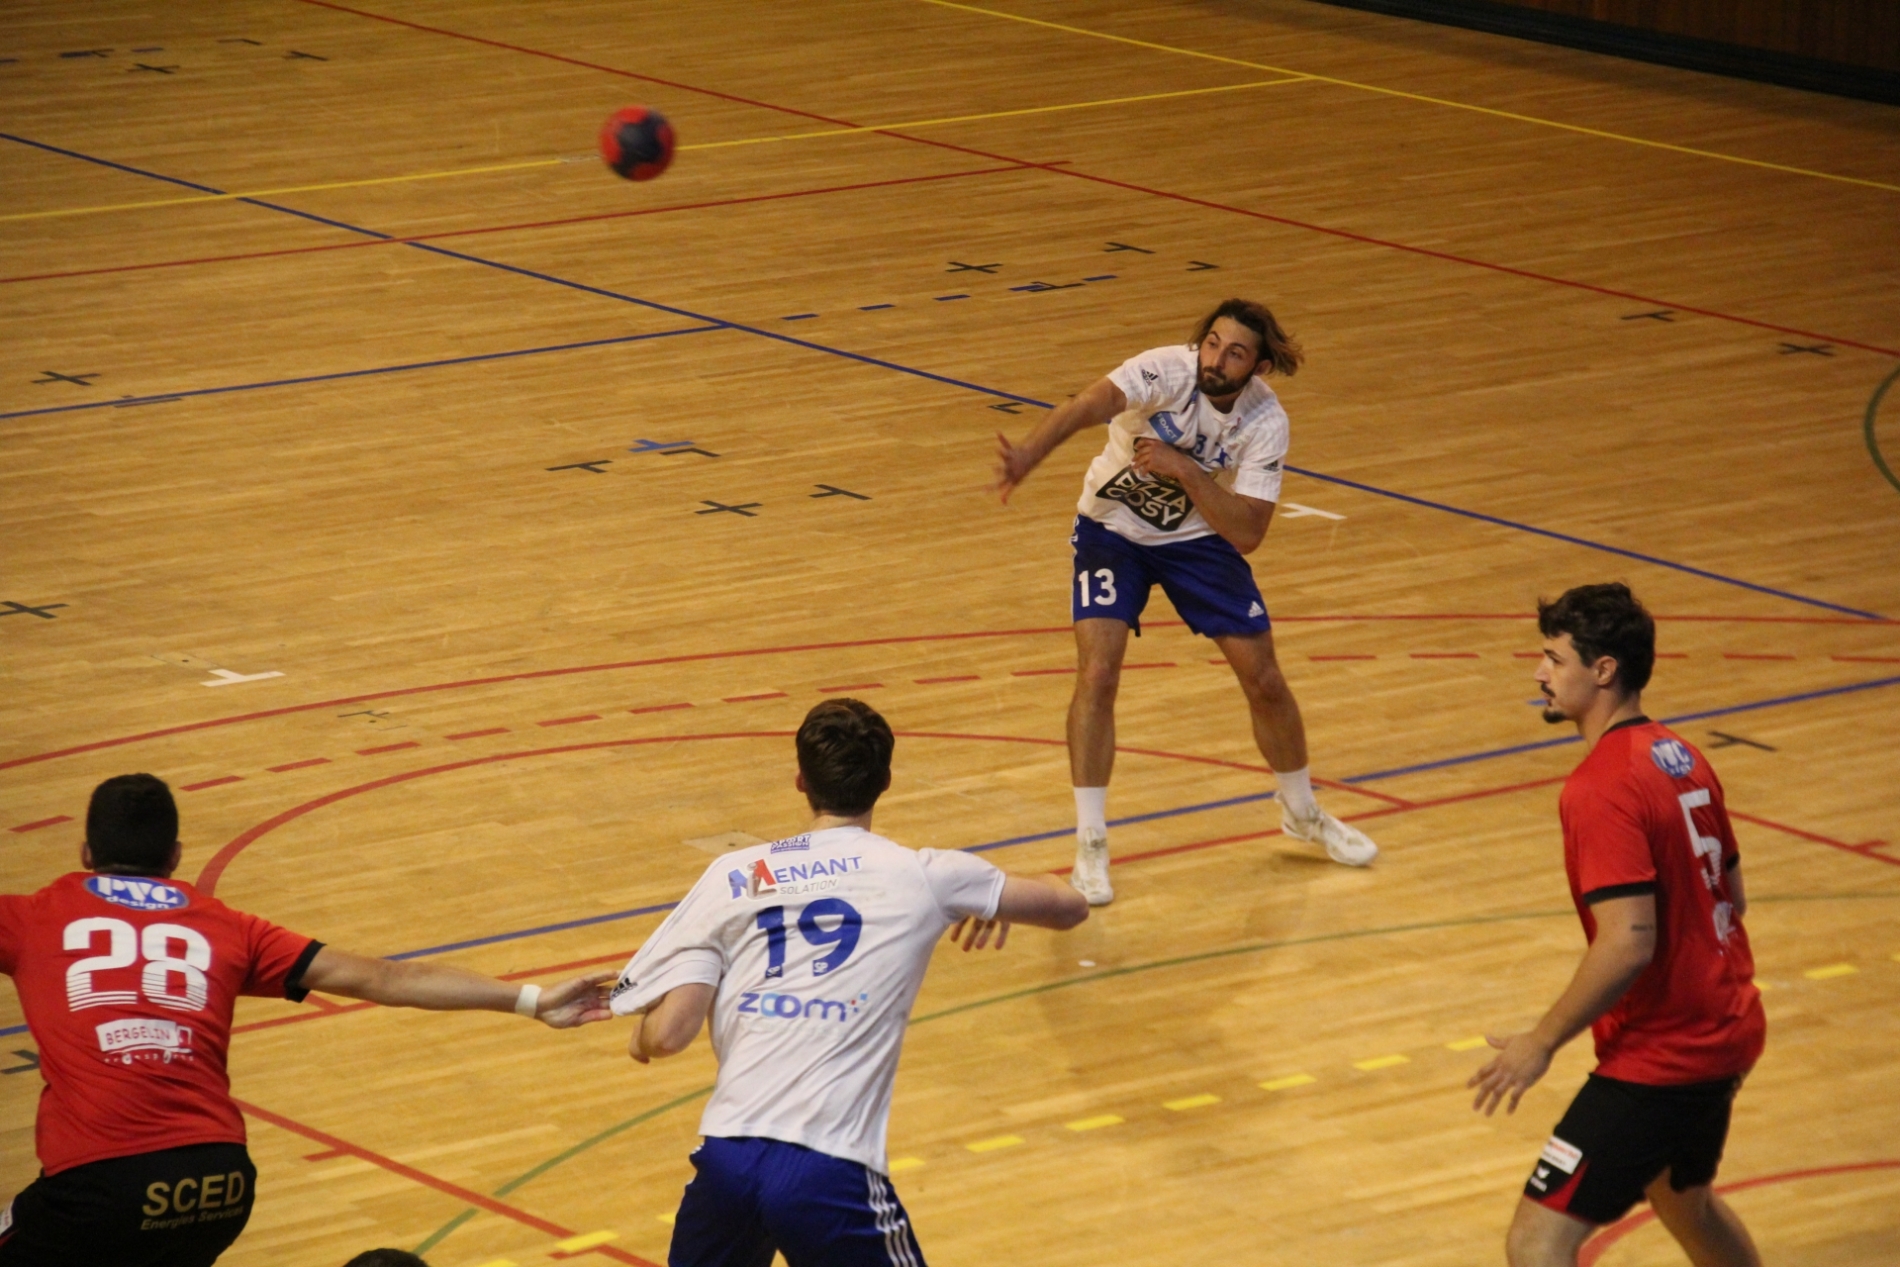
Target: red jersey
(128, 984)
(1643, 813)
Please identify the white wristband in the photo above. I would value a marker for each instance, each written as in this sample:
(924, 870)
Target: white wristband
(528, 1001)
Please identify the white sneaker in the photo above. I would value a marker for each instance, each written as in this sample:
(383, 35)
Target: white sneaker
(1090, 876)
(1344, 844)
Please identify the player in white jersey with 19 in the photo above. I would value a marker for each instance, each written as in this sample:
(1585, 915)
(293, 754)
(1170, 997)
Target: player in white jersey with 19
(1182, 491)
(807, 953)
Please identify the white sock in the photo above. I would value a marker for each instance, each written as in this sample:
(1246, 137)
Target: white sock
(1296, 792)
(1091, 809)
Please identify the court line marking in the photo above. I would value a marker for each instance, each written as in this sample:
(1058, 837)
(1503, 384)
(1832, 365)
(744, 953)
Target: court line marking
(745, 652)
(287, 189)
(527, 164)
(532, 224)
(920, 140)
(427, 1180)
(1595, 1248)
(858, 129)
(1867, 430)
(959, 383)
(930, 376)
(1599, 133)
(188, 393)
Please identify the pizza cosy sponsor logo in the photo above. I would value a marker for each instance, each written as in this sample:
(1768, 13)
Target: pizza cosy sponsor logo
(165, 1040)
(1672, 757)
(1161, 502)
(137, 894)
(789, 1007)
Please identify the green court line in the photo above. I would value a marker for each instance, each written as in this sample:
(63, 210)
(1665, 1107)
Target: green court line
(1110, 974)
(1867, 429)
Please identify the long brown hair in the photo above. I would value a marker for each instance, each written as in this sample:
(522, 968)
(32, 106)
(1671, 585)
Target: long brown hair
(1279, 351)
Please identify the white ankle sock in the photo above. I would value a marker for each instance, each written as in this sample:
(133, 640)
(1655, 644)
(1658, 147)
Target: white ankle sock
(1091, 809)
(1296, 792)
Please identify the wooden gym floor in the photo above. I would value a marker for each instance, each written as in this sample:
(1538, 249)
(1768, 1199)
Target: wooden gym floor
(516, 514)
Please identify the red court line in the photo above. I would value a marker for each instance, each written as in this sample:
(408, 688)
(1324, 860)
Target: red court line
(1209, 204)
(701, 656)
(527, 225)
(478, 734)
(35, 825)
(1444, 655)
(219, 782)
(388, 747)
(746, 699)
(955, 677)
(1335, 657)
(214, 870)
(860, 686)
(465, 1195)
(1595, 1248)
(298, 765)
(1865, 849)
(659, 708)
(1743, 655)
(575, 61)
(569, 721)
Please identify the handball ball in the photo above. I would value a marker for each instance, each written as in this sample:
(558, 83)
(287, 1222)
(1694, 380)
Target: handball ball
(637, 142)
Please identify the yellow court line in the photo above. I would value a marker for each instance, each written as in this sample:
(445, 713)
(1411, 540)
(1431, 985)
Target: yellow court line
(702, 145)
(288, 189)
(995, 114)
(1418, 96)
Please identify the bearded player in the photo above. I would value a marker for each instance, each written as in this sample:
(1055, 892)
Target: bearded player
(1184, 489)
(1667, 984)
(128, 978)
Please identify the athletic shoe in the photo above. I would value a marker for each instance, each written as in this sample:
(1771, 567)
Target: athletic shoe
(1345, 845)
(1090, 877)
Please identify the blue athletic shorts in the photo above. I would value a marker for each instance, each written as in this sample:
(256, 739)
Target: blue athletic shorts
(752, 1197)
(1206, 579)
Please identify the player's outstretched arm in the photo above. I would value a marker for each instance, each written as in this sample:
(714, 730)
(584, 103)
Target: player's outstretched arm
(1042, 901)
(441, 987)
(670, 1026)
(1094, 405)
(1625, 943)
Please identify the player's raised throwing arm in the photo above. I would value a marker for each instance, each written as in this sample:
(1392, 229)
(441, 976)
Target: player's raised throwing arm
(1092, 407)
(440, 987)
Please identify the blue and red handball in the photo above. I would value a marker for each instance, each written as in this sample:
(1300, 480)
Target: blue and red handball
(637, 142)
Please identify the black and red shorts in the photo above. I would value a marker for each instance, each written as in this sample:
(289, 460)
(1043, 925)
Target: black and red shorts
(1617, 1137)
(180, 1207)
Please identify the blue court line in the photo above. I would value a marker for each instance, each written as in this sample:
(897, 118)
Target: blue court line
(1587, 544)
(126, 402)
(940, 378)
(637, 911)
(1677, 720)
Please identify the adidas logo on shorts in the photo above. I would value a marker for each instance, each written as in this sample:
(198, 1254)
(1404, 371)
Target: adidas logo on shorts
(1255, 609)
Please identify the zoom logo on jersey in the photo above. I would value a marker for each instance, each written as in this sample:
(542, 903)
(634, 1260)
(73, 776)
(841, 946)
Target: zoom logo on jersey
(787, 1007)
(1672, 757)
(139, 895)
(1161, 502)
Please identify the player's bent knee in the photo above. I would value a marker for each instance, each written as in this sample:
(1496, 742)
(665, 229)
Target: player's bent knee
(1542, 1237)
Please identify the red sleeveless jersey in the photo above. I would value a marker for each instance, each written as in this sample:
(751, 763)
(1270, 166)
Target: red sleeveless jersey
(1644, 813)
(128, 984)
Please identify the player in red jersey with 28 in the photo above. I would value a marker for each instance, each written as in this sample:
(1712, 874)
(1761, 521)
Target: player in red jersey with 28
(128, 978)
(1667, 985)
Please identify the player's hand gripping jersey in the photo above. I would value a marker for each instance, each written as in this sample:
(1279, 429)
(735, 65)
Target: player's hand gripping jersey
(1644, 814)
(128, 984)
(1243, 449)
(817, 945)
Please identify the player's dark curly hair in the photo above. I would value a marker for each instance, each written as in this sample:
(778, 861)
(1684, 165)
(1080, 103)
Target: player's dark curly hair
(386, 1258)
(1605, 620)
(1279, 351)
(844, 752)
(132, 824)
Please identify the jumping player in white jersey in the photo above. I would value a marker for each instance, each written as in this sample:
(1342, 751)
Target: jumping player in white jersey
(1184, 488)
(808, 953)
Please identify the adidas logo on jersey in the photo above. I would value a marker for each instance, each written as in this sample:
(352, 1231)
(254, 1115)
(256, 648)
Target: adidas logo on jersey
(1149, 376)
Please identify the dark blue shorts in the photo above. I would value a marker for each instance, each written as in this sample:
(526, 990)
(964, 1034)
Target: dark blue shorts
(1206, 579)
(752, 1197)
